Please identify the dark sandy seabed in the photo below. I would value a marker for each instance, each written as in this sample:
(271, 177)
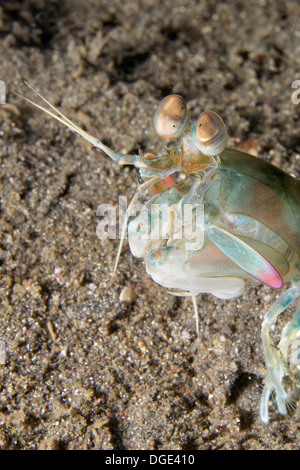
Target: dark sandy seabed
(79, 369)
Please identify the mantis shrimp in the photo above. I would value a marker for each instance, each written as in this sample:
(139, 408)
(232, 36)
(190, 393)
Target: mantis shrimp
(249, 225)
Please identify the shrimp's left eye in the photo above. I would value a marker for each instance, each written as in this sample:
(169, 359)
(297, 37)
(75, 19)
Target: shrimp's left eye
(209, 134)
(171, 116)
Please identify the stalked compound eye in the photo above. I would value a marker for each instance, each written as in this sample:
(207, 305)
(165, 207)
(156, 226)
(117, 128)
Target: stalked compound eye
(171, 116)
(209, 134)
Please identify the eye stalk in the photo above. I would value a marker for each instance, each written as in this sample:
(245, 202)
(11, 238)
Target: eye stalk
(171, 117)
(209, 134)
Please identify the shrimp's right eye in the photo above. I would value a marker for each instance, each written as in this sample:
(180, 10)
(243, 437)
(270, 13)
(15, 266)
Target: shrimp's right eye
(171, 116)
